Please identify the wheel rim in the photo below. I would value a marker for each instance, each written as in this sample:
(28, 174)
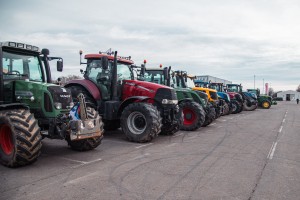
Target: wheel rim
(136, 122)
(265, 104)
(189, 116)
(6, 142)
(234, 107)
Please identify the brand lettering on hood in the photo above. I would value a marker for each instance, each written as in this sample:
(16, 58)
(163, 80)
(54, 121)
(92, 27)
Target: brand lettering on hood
(65, 95)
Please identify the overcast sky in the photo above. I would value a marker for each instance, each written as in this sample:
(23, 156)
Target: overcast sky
(230, 39)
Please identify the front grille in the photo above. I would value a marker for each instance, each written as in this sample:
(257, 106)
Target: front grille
(61, 95)
(47, 103)
(239, 97)
(165, 93)
(213, 95)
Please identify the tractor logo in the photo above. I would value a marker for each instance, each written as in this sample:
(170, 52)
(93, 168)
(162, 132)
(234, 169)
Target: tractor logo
(65, 96)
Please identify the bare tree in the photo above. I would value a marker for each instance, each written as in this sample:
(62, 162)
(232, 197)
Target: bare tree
(271, 92)
(298, 88)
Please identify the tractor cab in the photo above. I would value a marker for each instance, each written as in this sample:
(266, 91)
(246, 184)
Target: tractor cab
(234, 88)
(217, 86)
(99, 70)
(255, 91)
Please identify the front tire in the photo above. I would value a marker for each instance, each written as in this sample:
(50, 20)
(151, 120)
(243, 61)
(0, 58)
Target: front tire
(89, 143)
(20, 138)
(141, 122)
(210, 116)
(193, 115)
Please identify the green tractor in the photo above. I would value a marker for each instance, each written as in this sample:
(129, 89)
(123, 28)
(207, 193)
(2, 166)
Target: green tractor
(196, 110)
(31, 107)
(264, 101)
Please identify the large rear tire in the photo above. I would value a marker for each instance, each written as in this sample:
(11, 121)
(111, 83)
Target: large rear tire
(226, 109)
(20, 138)
(75, 90)
(193, 115)
(141, 122)
(89, 143)
(236, 107)
(249, 108)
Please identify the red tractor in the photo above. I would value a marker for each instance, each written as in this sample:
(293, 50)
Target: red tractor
(140, 108)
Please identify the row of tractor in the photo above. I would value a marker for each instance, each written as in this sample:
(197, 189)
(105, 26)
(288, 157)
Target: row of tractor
(114, 93)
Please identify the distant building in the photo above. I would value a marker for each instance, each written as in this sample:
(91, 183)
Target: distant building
(289, 95)
(213, 79)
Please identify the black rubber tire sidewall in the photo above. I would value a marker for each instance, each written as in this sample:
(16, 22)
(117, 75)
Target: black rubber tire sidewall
(198, 112)
(152, 117)
(89, 143)
(26, 137)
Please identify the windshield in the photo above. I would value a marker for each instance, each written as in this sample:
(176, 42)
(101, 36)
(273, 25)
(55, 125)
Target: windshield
(190, 83)
(233, 88)
(154, 76)
(95, 71)
(216, 87)
(17, 66)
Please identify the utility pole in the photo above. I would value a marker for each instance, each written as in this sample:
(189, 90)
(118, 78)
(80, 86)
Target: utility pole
(254, 81)
(263, 86)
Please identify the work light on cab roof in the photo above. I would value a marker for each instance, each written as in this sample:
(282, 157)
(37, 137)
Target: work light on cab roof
(20, 46)
(109, 54)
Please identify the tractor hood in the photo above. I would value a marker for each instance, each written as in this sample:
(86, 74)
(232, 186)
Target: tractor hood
(49, 99)
(145, 85)
(142, 88)
(235, 95)
(224, 95)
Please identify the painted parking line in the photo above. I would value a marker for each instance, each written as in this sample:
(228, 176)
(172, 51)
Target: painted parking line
(177, 135)
(274, 145)
(80, 161)
(144, 145)
(272, 150)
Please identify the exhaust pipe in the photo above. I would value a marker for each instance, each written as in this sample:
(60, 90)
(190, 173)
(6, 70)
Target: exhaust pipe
(115, 79)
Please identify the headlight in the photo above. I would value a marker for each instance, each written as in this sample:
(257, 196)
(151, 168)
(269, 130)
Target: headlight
(58, 106)
(168, 101)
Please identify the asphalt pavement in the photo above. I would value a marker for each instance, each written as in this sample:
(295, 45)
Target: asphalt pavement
(251, 155)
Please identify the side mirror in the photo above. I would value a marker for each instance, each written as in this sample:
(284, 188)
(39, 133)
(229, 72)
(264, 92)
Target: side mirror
(59, 65)
(142, 73)
(166, 73)
(104, 62)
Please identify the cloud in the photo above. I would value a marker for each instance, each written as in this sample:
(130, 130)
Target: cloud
(232, 40)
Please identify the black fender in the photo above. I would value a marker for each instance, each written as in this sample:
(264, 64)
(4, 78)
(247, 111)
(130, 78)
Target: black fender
(185, 100)
(11, 106)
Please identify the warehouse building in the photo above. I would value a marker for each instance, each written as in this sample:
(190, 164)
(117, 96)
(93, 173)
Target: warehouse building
(213, 79)
(289, 95)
